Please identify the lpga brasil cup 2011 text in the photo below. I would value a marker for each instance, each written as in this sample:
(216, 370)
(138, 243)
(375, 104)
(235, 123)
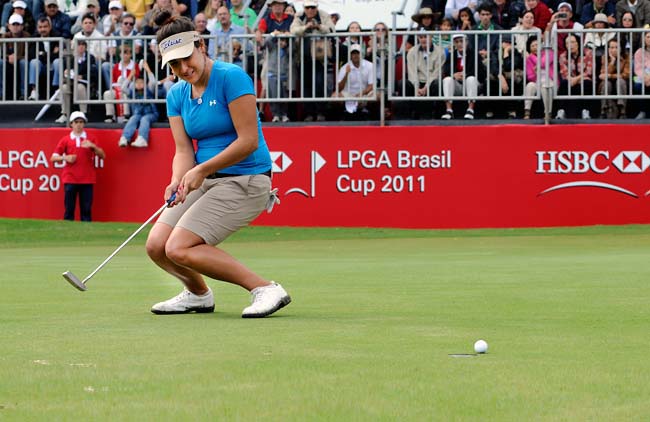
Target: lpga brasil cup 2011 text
(388, 183)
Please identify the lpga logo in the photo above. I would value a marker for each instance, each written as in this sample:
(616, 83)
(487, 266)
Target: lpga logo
(581, 162)
(281, 162)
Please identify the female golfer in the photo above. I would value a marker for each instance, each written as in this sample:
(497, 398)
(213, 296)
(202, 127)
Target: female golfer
(221, 187)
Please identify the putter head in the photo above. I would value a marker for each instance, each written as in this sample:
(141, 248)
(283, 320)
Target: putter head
(74, 280)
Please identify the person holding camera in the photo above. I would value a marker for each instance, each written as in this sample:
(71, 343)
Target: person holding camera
(562, 19)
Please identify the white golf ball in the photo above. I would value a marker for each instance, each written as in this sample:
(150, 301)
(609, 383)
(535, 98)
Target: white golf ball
(480, 346)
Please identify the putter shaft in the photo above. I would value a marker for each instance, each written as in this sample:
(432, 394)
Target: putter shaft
(81, 285)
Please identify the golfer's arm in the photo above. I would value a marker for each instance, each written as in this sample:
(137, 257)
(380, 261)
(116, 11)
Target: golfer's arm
(243, 112)
(184, 156)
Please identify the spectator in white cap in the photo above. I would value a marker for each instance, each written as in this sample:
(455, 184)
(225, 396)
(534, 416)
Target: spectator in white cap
(355, 80)
(19, 7)
(111, 20)
(78, 151)
(15, 56)
(562, 19)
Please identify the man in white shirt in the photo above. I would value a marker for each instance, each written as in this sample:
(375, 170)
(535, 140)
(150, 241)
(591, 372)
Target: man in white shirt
(355, 80)
(97, 45)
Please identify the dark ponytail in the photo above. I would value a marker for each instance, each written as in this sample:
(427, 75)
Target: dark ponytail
(169, 25)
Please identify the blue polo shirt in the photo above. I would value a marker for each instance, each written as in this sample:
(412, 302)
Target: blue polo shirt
(207, 119)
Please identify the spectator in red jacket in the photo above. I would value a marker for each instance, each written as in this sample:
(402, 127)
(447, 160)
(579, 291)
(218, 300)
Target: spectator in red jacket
(119, 76)
(541, 11)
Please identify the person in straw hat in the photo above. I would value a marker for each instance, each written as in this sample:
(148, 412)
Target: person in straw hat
(425, 18)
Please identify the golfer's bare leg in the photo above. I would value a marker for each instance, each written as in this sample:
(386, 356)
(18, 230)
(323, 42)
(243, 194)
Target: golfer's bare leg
(186, 249)
(158, 237)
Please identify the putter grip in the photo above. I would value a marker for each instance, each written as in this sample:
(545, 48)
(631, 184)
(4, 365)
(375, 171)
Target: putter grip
(171, 199)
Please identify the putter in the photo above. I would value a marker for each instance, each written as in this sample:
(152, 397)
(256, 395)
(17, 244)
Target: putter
(81, 284)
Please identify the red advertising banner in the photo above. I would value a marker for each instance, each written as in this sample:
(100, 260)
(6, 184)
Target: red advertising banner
(411, 177)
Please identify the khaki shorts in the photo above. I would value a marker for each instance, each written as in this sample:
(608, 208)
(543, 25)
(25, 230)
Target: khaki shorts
(220, 206)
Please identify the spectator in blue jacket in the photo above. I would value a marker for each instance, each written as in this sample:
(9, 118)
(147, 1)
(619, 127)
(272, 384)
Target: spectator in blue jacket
(590, 10)
(60, 21)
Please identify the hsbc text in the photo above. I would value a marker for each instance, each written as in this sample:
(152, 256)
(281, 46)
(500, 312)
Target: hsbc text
(401, 159)
(562, 162)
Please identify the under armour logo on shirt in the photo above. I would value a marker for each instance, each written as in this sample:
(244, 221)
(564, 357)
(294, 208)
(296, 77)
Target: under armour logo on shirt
(213, 102)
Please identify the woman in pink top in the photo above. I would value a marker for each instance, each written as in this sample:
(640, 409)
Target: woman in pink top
(642, 72)
(546, 72)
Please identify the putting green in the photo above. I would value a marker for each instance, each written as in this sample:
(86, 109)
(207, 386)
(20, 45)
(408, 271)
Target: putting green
(375, 316)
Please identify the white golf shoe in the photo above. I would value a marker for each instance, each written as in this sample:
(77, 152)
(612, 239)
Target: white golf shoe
(266, 300)
(185, 302)
(140, 142)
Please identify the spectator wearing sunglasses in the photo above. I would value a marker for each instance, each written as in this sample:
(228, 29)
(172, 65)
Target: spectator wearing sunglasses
(126, 30)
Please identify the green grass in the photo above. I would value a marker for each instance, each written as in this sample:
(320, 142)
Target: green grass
(374, 318)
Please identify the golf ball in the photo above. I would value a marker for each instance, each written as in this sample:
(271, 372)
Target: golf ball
(480, 346)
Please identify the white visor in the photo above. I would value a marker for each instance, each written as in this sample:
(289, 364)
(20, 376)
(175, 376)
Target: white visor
(178, 46)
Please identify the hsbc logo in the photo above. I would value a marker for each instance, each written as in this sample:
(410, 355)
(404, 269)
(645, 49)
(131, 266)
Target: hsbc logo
(631, 162)
(598, 162)
(580, 162)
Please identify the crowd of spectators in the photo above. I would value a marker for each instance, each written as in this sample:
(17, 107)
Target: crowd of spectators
(445, 64)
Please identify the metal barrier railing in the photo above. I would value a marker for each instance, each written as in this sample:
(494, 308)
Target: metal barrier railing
(593, 45)
(289, 69)
(434, 57)
(30, 70)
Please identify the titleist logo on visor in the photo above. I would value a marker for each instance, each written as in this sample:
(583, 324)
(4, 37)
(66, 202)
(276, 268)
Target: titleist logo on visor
(170, 43)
